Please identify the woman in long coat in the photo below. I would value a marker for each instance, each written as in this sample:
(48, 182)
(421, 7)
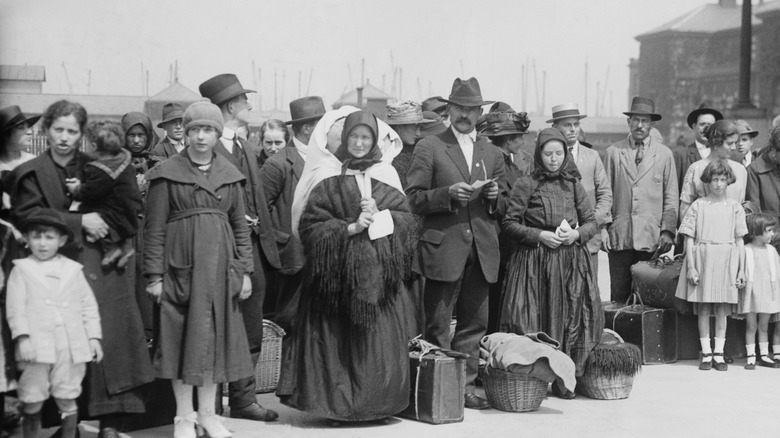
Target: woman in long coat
(112, 386)
(197, 260)
(350, 347)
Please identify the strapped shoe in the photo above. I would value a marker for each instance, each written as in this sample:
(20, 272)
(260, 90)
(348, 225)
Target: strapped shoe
(706, 364)
(766, 361)
(719, 366)
(750, 366)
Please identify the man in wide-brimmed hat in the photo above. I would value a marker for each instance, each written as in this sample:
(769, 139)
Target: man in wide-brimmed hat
(745, 142)
(458, 249)
(229, 95)
(566, 117)
(698, 120)
(645, 198)
(279, 175)
(173, 143)
(406, 119)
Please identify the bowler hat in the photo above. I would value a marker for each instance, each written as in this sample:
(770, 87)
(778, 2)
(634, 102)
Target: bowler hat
(466, 93)
(643, 106)
(405, 112)
(48, 217)
(744, 128)
(693, 117)
(433, 104)
(505, 123)
(435, 127)
(564, 111)
(171, 112)
(306, 109)
(222, 88)
(11, 116)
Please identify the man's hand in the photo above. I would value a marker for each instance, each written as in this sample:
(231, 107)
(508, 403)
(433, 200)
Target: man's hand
(246, 288)
(665, 242)
(462, 192)
(490, 191)
(96, 349)
(606, 245)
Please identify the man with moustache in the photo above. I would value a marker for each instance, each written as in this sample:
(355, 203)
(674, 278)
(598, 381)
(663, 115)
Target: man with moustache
(458, 250)
(645, 198)
(566, 117)
(226, 92)
(173, 143)
(698, 120)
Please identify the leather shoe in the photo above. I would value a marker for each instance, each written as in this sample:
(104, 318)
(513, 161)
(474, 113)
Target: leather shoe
(254, 412)
(474, 401)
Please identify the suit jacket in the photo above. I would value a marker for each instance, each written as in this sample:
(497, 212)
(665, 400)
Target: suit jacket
(520, 165)
(256, 204)
(644, 199)
(280, 175)
(683, 158)
(599, 191)
(449, 228)
(163, 150)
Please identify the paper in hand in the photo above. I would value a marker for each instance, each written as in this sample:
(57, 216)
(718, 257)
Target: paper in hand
(481, 183)
(563, 227)
(382, 226)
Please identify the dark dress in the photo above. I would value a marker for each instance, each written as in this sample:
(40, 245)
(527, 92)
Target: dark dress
(112, 386)
(349, 358)
(551, 290)
(197, 238)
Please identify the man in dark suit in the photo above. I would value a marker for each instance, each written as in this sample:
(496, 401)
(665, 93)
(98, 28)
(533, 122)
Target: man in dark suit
(173, 143)
(698, 120)
(226, 92)
(280, 175)
(458, 250)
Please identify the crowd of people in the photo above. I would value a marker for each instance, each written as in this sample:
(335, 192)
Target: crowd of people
(141, 259)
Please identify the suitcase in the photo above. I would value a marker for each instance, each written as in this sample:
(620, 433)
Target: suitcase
(656, 282)
(437, 388)
(653, 330)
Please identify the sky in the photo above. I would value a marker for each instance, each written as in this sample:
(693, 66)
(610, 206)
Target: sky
(322, 42)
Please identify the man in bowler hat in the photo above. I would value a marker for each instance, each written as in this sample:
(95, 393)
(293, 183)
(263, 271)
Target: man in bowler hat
(280, 175)
(173, 143)
(458, 249)
(226, 92)
(644, 197)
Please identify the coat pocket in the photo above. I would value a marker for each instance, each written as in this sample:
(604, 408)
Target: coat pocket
(177, 284)
(432, 236)
(235, 278)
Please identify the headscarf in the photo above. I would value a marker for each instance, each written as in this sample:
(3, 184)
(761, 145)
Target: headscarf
(136, 118)
(567, 170)
(321, 164)
(374, 154)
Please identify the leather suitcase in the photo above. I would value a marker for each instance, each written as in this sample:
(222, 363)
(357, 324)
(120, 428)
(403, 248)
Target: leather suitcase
(437, 388)
(656, 282)
(653, 330)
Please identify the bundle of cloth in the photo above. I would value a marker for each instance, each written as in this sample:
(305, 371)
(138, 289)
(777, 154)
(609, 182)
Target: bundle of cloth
(533, 354)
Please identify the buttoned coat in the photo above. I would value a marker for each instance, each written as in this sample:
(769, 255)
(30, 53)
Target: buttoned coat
(683, 158)
(645, 198)
(449, 228)
(37, 311)
(280, 175)
(598, 189)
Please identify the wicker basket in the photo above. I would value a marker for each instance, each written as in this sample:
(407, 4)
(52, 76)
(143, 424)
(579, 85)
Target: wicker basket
(513, 392)
(270, 360)
(610, 369)
(605, 388)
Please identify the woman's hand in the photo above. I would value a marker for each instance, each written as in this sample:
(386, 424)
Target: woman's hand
(569, 237)
(368, 205)
(94, 225)
(246, 288)
(550, 239)
(364, 221)
(693, 276)
(96, 349)
(740, 279)
(154, 289)
(24, 349)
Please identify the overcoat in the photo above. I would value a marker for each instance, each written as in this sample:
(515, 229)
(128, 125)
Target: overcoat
(644, 198)
(763, 184)
(163, 150)
(450, 229)
(599, 191)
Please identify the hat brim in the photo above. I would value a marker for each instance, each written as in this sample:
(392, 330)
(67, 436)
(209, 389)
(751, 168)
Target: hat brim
(469, 104)
(49, 223)
(29, 120)
(752, 134)
(170, 119)
(232, 95)
(304, 119)
(500, 133)
(694, 115)
(554, 119)
(402, 122)
(653, 116)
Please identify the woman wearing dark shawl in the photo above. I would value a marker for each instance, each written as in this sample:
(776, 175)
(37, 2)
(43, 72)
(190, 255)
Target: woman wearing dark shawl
(350, 358)
(549, 284)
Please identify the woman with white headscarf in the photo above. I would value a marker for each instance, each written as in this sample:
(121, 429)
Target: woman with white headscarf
(348, 356)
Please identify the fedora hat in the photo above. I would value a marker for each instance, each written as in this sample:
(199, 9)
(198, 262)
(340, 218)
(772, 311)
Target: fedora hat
(435, 127)
(11, 116)
(505, 123)
(704, 108)
(405, 112)
(433, 104)
(306, 109)
(222, 88)
(171, 112)
(48, 217)
(564, 111)
(643, 106)
(466, 93)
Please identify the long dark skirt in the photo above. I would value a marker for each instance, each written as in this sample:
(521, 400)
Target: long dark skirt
(553, 291)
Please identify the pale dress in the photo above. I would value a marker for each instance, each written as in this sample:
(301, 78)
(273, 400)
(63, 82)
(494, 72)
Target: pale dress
(715, 227)
(762, 291)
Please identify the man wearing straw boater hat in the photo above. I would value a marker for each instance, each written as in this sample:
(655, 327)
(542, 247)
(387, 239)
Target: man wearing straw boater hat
(173, 143)
(566, 117)
(698, 120)
(406, 119)
(279, 176)
(644, 197)
(458, 250)
(226, 92)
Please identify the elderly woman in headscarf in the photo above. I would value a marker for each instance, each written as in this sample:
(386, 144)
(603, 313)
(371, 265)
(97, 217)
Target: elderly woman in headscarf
(350, 359)
(549, 284)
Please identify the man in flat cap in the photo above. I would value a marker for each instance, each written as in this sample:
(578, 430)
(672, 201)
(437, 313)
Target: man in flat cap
(698, 120)
(566, 117)
(458, 250)
(226, 92)
(644, 197)
(173, 143)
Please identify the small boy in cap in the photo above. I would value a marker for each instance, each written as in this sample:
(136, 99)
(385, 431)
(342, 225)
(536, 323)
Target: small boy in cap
(54, 322)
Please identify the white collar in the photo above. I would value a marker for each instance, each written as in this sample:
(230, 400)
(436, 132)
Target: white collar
(472, 135)
(301, 147)
(700, 146)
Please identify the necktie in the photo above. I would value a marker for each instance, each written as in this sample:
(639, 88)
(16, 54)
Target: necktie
(640, 152)
(571, 148)
(237, 153)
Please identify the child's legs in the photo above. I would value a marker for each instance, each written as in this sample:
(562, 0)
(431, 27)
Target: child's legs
(704, 321)
(66, 376)
(763, 327)
(751, 325)
(720, 326)
(776, 336)
(66, 406)
(33, 388)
